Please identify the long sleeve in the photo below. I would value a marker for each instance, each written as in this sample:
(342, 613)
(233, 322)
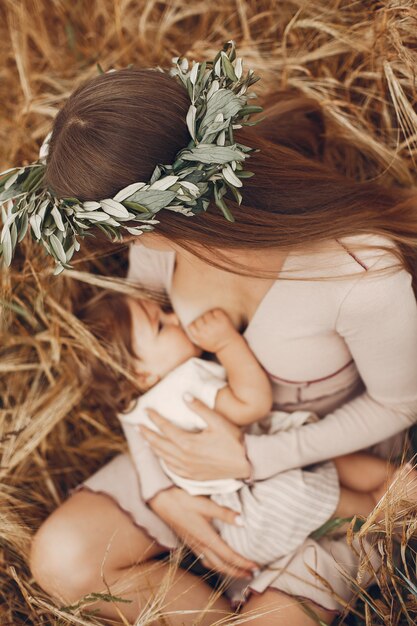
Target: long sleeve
(152, 477)
(378, 321)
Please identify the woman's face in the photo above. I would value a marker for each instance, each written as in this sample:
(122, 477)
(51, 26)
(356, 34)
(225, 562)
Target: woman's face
(158, 339)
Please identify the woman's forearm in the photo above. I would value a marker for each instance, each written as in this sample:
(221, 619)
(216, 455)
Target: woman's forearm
(378, 322)
(152, 478)
(356, 425)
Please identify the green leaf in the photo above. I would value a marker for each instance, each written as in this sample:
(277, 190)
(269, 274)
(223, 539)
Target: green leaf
(127, 191)
(57, 247)
(13, 234)
(229, 175)
(163, 183)
(35, 223)
(93, 216)
(10, 219)
(8, 171)
(225, 102)
(157, 173)
(58, 219)
(191, 187)
(247, 110)
(41, 210)
(90, 205)
(228, 68)
(114, 208)
(71, 200)
(201, 71)
(33, 178)
(210, 153)
(134, 231)
(190, 120)
(229, 48)
(7, 194)
(236, 193)
(238, 68)
(222, 205)
(215, 86)
(7, 247)
(11, 180)
(329, 526)
(212, 130)
(244, 174)
(23, 226)
(153, 199)
(136, 206)
(193, 73)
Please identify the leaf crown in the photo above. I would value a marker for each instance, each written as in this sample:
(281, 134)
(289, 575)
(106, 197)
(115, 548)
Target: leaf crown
(206, 168)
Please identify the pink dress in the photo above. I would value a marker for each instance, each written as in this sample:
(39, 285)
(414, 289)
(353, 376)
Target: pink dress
(344, 348)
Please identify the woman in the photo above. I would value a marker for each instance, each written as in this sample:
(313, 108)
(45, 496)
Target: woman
(338, 338)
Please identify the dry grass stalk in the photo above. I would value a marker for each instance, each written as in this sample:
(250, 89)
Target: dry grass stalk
(357, 59)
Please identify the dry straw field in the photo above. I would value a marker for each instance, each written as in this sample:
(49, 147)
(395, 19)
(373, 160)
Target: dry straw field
(357, 59)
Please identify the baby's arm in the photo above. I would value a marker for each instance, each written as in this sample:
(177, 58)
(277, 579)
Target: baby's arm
(248, 395)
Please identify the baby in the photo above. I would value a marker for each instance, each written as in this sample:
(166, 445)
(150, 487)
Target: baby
(278, 513)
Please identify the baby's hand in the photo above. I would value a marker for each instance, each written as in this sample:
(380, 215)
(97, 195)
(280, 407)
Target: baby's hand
(213, 330)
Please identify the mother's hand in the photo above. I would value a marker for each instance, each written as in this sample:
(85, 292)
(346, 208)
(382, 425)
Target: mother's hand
(190, 517)
(216, 452)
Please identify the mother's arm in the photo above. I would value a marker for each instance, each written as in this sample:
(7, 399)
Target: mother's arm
(378, 321)
(190, 517)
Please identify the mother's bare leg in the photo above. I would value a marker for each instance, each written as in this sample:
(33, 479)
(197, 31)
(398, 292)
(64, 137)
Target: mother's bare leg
(89, 537)
(274, 608)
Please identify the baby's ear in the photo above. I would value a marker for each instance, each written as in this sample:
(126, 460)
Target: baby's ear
(151, 380)
(145, 379)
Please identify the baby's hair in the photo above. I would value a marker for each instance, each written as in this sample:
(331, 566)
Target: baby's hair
(108, 317)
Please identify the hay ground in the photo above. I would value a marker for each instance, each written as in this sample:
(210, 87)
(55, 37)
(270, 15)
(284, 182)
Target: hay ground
(358, 59)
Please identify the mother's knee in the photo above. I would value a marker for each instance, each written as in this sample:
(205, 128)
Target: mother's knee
(58, 557)
(88, 536)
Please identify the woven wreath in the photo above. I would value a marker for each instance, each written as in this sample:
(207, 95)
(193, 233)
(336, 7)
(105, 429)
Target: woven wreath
(205, 169)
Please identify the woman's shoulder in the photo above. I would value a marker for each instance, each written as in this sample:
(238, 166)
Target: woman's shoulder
(151, 268)
(343, 259)
(383, 286)
(369, 250)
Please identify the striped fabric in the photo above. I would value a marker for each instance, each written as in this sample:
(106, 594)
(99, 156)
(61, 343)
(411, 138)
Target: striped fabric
(279, 513)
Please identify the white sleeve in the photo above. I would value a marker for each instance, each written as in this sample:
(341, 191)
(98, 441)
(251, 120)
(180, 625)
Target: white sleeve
(378, 321)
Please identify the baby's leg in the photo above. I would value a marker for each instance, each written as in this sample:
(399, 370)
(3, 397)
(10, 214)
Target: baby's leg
(364, 472)
(354, 503)
(364, 480)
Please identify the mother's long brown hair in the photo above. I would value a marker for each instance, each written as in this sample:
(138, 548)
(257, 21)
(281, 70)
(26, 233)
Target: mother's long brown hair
(116, 127)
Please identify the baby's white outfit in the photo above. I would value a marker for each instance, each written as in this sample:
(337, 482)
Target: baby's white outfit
(280, 512)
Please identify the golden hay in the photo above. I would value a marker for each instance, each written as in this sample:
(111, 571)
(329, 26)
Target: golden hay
(358, 59)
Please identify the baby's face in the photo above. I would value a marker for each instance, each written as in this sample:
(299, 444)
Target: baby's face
(158, 338)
